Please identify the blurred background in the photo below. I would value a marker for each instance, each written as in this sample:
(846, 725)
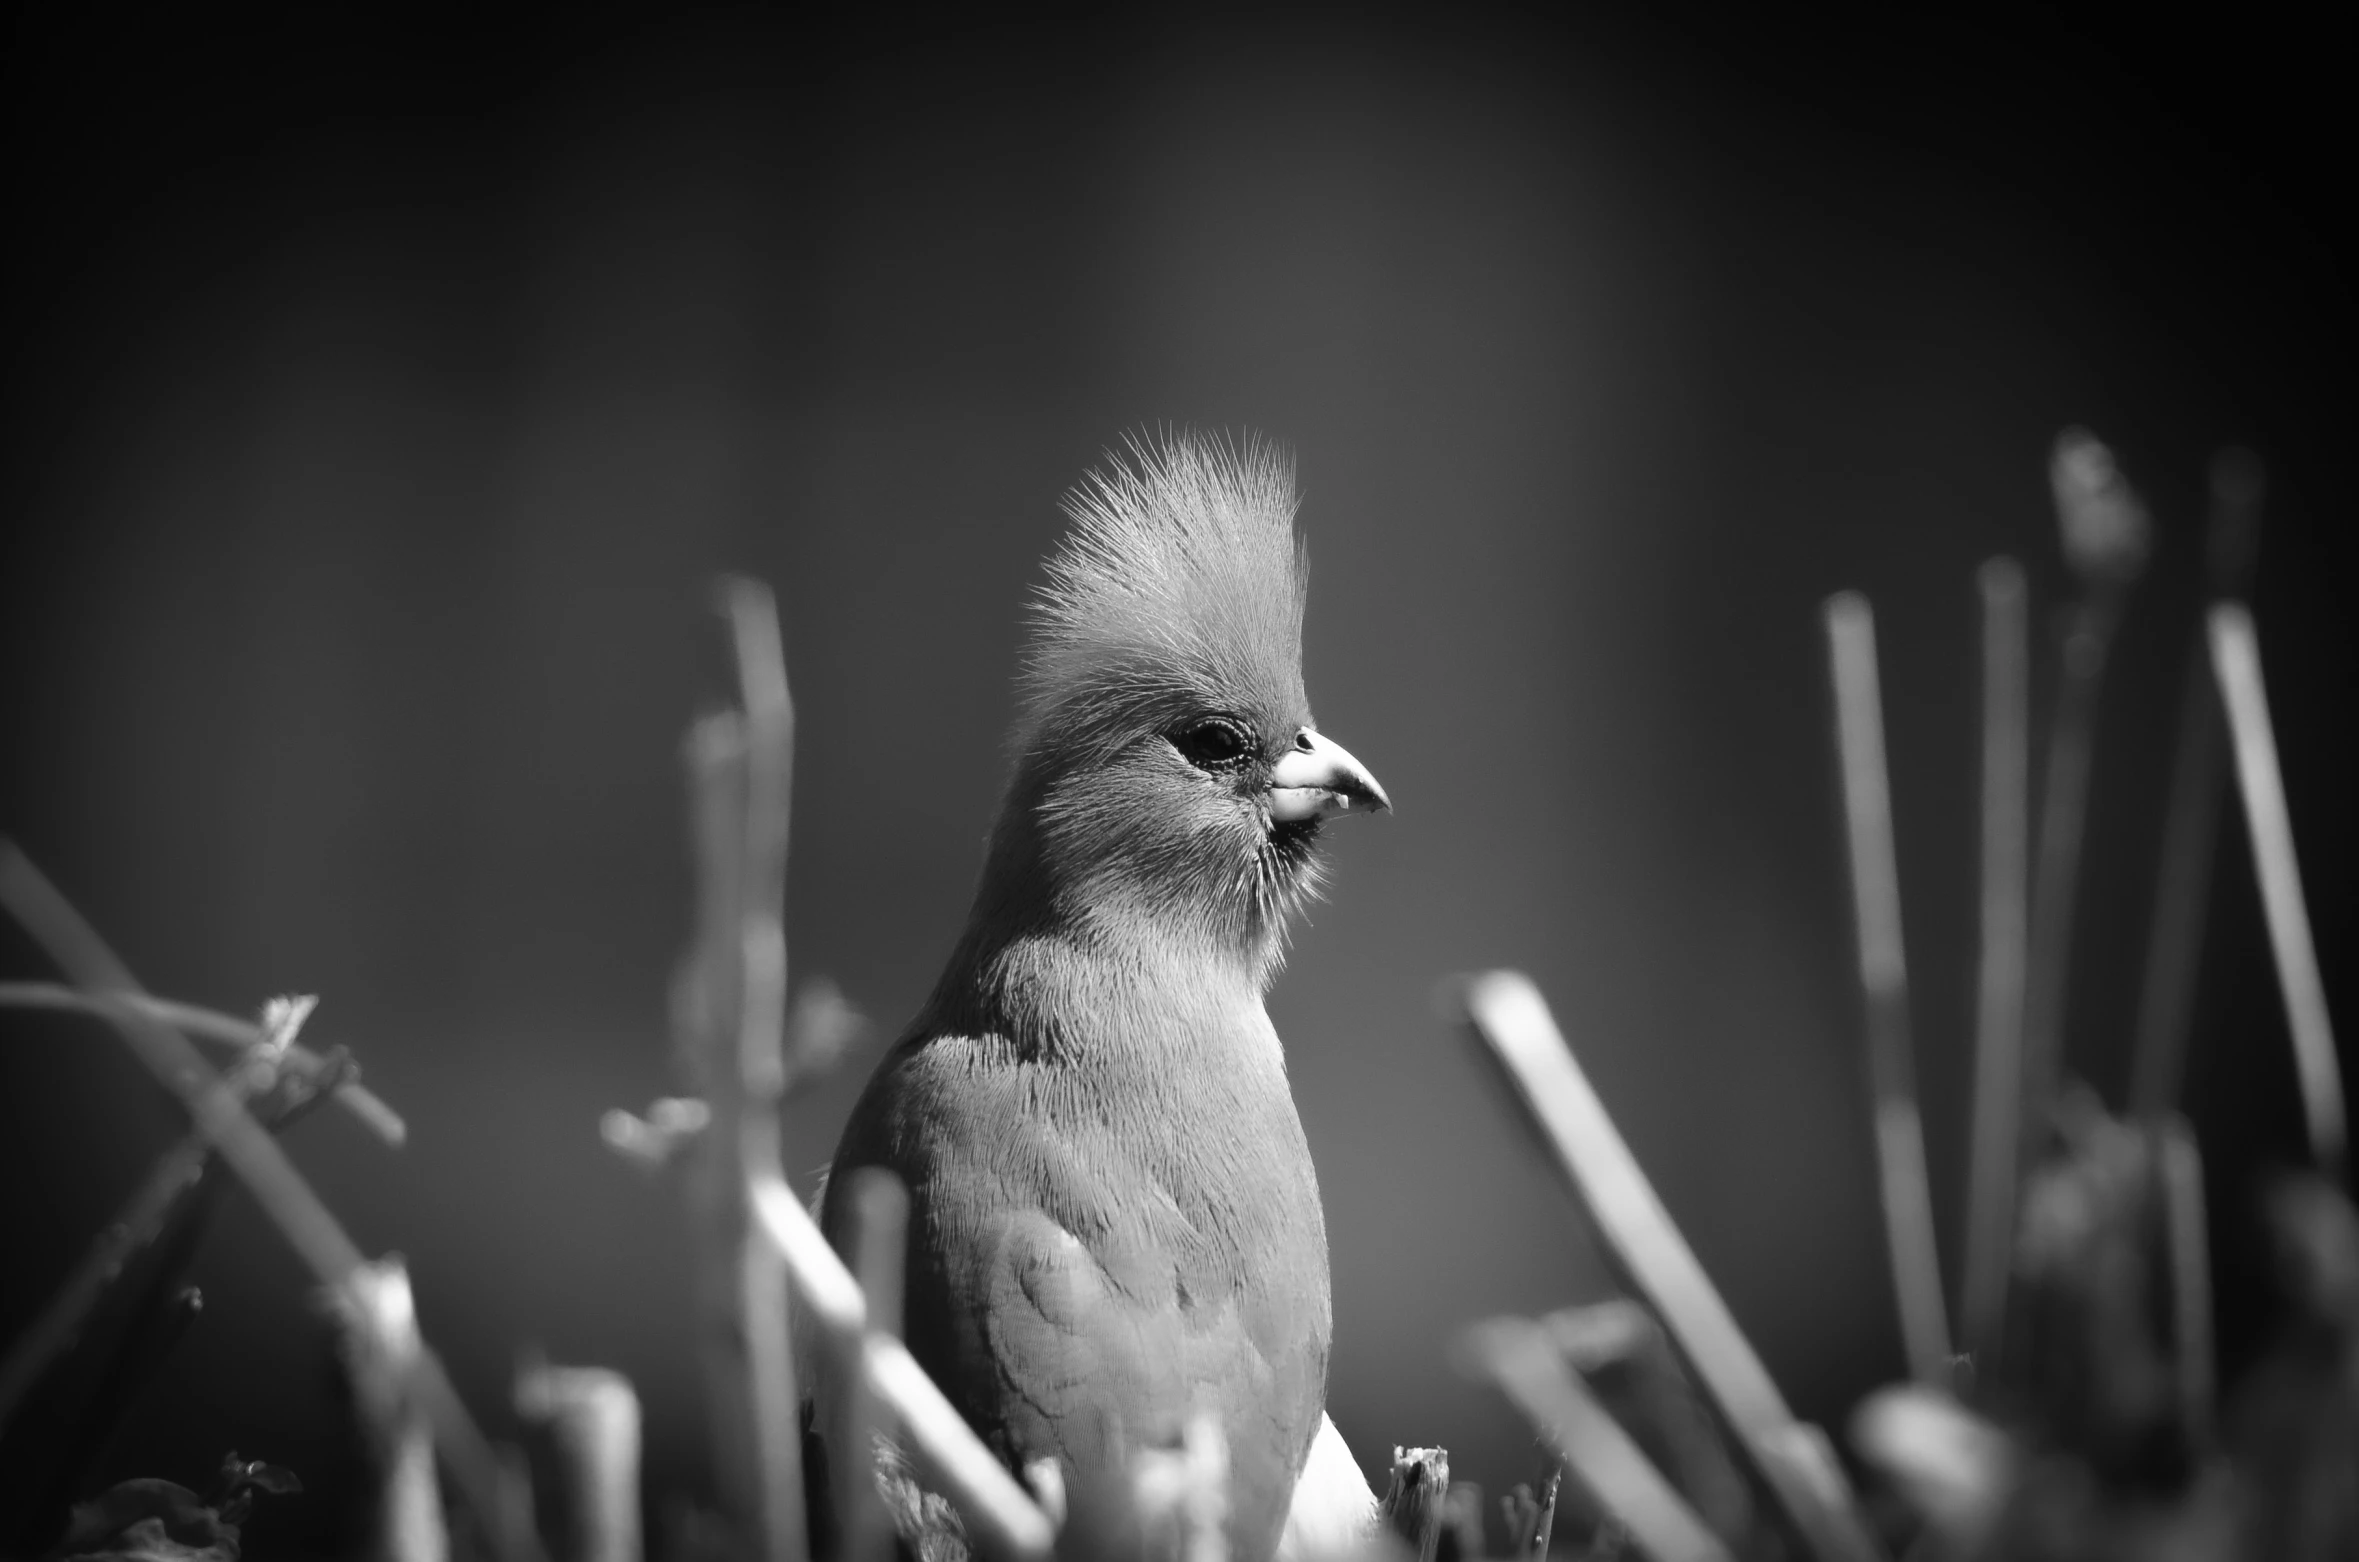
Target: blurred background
(385, 386)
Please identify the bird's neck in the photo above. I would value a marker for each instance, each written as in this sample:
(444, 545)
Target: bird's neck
(1102, 990)
(1152, 977)
(1126, 906)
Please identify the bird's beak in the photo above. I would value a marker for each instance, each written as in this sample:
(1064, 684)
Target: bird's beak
(1317, 779)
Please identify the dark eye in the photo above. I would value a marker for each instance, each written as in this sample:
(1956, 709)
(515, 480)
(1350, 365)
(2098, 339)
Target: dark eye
(1212, 744)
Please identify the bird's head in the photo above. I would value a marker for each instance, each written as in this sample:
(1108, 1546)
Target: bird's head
(1168, 774)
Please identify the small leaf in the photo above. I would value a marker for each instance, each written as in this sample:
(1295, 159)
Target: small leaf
(275, 1479)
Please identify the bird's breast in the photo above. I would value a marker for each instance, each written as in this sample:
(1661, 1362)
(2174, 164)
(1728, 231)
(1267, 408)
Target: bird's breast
(1099, 1251)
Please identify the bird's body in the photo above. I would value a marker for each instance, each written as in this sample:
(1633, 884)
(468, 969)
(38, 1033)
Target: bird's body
(1115, 1221)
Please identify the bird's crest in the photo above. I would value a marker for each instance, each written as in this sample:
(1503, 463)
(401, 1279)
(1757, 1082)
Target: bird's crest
(1181, 575)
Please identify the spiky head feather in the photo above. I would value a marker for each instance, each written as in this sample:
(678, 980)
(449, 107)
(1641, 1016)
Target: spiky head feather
(1180, 579)
(1175, 598)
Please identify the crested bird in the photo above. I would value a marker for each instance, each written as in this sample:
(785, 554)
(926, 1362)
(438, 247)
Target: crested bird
(1114, 1221)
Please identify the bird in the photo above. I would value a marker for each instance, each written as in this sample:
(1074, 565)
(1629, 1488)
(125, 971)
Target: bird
(1115, 1226)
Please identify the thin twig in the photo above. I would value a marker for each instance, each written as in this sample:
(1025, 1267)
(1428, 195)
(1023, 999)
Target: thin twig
(878, 1209)
(2236, 660)
(227, 1030)
(2105, 532)
(2004, 924)
(1519, 1358)
(2174, 938)
(1544, 1524)
(309, 1226)
(1883, 979)
(1507, 1013)
(997, 1510)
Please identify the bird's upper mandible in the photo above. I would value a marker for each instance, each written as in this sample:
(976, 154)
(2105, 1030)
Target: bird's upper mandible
(1318, 778)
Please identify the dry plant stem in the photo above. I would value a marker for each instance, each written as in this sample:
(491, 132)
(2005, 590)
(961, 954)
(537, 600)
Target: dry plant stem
(761, 1050)
(1002, 1518)
(1544, 1525)
(1508, 1014)
(165, 1190)
(1950, 1467)
(2180, 1166)
(1883, 979)
(210, 1025)
(1627, 1362)
(1521, 1512)
(879, 1209)
(592, 1418)
(1522, 1361)
(1414, 1502)
(1183, 1493)
(2064, 790)
(309, 1226)
(1532, 1515)
(382, 1352)
(749, 1377)
(2236, 661)
(2004, 924)
(2166, 997)
(142, 1218)
(704, 1033)
(1801, 1465)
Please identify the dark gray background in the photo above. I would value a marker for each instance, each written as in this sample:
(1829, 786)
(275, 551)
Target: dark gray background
(383, 392)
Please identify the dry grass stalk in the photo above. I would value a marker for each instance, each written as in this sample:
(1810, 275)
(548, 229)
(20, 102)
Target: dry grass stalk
(1180, 1497)
(1532, 1541)
(729, 1013)
(1883, 979)
(1521, 1359)
(755, 1240)
(161, 1194)
(2260, 783)
(1507, 1013)
(591, 1418)
(1003, 1518)
(2166, 997)
(382, 1352)
(248, 1149)
(2105, 533)
(1953, 1468)
(879, 1208)
(1530, 1516)
(1627, 1363)
(1414, 1501)
(2003, 932)
(2187, 1244)
(339, 1075)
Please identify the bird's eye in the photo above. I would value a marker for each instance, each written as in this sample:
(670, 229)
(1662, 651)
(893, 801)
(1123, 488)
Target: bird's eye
(1212, 744)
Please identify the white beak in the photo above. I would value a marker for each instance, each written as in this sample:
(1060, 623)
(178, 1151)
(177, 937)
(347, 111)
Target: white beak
(1317, 779)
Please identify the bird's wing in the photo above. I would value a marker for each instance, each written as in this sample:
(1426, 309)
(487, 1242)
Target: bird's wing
(1102, 1348)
